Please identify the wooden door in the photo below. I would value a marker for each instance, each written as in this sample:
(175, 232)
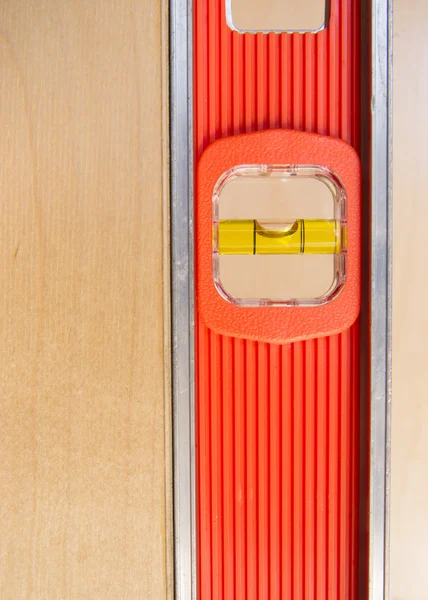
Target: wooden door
(85, 457)
(409, 487)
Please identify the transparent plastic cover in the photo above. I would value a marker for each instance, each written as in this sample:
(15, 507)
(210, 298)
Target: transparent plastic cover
(279, 235)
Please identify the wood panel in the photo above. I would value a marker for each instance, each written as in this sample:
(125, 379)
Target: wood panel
(85, 467)
(409, 504)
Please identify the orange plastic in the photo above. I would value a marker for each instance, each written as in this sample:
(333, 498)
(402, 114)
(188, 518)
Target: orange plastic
(277, 426)
(277, 324)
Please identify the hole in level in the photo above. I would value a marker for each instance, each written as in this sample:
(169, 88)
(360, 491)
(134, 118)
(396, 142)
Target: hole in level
(277, 15)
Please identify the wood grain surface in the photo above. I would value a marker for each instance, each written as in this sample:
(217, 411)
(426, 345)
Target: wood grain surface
(85, 458)
(409, 460)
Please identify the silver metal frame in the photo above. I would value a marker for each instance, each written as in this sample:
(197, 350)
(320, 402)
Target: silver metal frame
(183, 293)
(181, 137)
(380, 299)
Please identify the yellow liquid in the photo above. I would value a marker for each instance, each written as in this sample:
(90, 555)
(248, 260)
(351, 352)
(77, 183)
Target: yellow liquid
(302, 236)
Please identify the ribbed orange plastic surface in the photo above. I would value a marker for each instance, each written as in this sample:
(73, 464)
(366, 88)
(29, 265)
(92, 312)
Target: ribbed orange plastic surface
(277, 426)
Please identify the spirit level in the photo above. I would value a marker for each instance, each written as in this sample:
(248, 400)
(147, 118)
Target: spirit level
(270, 454)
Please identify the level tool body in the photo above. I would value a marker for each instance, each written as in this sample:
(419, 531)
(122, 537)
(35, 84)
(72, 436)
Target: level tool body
(277, 425)
(283, 446)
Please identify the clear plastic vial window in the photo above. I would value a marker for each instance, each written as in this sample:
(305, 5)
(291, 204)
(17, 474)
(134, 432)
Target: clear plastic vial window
(277, 15)
(279, 235)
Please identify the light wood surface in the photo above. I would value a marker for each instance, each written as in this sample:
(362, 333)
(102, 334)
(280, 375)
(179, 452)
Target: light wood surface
(85, 469)
(409, 502)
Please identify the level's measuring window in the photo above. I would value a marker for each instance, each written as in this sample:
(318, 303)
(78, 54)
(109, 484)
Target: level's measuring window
(277, 15)
(279, 235)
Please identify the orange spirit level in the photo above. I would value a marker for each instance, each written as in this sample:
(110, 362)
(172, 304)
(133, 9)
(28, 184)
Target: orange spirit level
(278, 448)
(277, 425)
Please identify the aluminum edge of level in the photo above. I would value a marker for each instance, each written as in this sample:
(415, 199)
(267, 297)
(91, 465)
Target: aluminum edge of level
(380, 300)
(182, 300)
